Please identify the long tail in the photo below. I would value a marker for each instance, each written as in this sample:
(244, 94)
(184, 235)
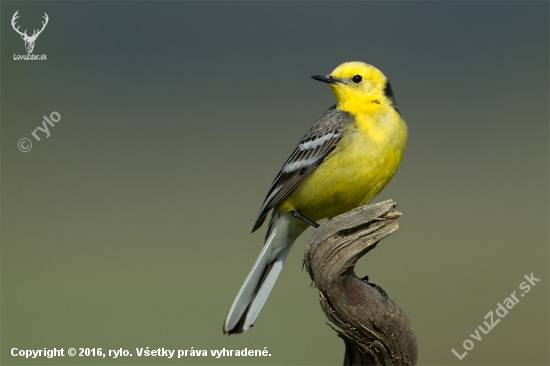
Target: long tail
(283, 230)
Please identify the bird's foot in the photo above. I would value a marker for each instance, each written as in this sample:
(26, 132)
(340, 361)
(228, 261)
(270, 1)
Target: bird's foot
(297, 214)
(375, 286)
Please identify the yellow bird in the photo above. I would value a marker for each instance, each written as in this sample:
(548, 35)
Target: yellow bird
(345, 159)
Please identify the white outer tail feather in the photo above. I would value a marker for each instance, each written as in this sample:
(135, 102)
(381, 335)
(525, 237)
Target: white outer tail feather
(259, 300)
(276, 248)
(247, 289)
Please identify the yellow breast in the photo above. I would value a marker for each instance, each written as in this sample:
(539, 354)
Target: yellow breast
(361, 165)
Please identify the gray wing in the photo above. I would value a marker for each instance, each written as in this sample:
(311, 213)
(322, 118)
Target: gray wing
(312, 150)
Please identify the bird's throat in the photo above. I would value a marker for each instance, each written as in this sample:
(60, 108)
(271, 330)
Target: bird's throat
(358, 103)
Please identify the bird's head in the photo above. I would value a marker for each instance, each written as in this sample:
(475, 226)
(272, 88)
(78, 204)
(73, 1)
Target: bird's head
(357, 84)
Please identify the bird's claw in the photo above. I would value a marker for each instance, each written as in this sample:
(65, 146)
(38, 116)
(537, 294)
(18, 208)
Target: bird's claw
(375, 286)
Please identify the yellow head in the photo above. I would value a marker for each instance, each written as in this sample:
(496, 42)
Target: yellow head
(359, 86)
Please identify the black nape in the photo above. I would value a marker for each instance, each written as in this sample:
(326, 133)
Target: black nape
(388, 92)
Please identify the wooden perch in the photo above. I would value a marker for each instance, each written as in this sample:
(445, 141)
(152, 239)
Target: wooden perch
(374, 329)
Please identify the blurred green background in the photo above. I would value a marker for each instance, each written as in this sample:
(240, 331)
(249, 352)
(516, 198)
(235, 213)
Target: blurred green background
(130, 225)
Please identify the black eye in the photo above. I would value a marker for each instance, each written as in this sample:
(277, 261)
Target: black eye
(357, 79)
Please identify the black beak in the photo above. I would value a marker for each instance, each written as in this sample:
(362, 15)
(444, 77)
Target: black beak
(326, 79)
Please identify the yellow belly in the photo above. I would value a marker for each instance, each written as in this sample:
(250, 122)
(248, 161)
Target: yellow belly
(363, 162)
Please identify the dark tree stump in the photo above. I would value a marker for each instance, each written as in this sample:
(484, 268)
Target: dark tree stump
(374, 329)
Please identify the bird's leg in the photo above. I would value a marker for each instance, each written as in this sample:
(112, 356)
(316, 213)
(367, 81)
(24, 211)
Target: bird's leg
(374, 285)
(297, 214)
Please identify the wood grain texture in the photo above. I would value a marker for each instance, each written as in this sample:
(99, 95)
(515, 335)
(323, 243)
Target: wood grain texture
(374, 329)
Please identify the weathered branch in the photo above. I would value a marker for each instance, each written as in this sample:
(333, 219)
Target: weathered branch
(374, 329)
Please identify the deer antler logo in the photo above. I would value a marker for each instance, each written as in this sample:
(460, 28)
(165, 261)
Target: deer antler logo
(29, 41)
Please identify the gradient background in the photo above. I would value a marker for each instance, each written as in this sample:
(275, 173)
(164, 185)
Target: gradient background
(130, 225)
